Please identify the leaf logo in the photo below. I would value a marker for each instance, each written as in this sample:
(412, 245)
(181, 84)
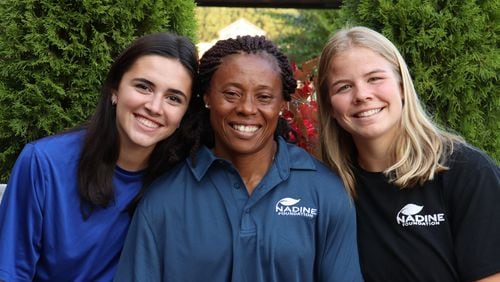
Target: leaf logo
(288, 202)
(411, 209)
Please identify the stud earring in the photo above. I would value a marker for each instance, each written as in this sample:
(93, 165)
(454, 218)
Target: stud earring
(207, 106)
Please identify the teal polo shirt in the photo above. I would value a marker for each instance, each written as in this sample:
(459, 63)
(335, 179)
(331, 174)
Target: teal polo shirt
(198, 223)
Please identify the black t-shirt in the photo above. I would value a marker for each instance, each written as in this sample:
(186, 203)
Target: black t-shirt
(446, 230)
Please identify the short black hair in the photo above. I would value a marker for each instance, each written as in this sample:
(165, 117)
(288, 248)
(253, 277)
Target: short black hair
(250, 45)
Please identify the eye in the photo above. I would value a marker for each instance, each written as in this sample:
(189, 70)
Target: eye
(143, 87)
(231, 95)
(343, 88)
(174, 99)
(265, 98)
(374, 79)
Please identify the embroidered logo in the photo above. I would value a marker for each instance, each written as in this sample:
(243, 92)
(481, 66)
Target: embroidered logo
(409, 215)
(289, 206)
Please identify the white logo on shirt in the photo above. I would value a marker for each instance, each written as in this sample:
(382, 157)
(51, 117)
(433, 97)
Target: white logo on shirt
(408, 216)
(288, 206)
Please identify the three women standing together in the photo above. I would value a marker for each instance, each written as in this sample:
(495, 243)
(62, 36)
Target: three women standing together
(246, 205)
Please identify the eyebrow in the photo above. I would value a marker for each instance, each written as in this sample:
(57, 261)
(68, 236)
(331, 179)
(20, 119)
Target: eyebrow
(169, 90)
(367, 74)
(176, 91)
(375, 71)
(240, 85)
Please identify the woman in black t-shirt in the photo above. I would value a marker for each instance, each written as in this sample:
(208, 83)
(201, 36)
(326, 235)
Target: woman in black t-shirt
(425, 199)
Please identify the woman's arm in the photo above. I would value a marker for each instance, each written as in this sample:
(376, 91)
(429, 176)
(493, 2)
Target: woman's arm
(21, 215)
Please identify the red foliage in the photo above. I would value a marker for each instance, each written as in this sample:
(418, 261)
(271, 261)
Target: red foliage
(302, 109)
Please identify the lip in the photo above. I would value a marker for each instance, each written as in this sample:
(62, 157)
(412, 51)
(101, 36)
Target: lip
(244, 128)
(366, 113)
(147, 122)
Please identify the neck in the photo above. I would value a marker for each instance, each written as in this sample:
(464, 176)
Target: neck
(253, 167)
(374, 157)
(133, 160)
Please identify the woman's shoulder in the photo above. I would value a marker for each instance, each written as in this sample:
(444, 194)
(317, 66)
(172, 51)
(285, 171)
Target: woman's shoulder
(318, 176)
(61, 142)
(466, 156)
(61, 145)
(470, 167)
(173, 180)
(298, 156)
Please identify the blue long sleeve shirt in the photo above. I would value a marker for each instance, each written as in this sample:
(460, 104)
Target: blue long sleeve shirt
(43, 236)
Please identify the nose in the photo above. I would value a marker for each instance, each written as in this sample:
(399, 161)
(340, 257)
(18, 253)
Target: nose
(154, 104)
(246, 105)
(362, 92)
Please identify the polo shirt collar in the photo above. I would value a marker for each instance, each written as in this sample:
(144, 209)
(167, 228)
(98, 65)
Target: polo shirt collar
(288, 157)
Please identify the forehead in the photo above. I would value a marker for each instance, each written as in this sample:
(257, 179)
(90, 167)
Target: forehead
(262, 57)
(160, 70)
(360, 61)
(259, 67)
(357, 58)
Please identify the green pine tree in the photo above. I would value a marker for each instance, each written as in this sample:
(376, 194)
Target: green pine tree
(54, 56)
(312, 30)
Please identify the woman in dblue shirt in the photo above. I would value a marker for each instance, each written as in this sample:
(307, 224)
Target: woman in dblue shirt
(64, 215)
(249, 206)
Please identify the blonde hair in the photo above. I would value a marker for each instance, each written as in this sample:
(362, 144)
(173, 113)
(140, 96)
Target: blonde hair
(421, 149)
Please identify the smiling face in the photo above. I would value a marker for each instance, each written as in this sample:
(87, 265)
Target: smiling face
(151, 99)
(365, 94)
(245, 98)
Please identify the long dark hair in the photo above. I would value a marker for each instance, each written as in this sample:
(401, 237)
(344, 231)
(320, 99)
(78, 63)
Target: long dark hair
(101, 144)
(212, 58)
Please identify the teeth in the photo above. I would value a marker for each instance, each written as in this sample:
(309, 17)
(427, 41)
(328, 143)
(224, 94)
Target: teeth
(245, 128)
(148, 123)
(368, 113)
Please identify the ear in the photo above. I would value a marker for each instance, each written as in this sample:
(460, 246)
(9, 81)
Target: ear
(401, 93)
(283, 106)
(114, 98)
(206, 99)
